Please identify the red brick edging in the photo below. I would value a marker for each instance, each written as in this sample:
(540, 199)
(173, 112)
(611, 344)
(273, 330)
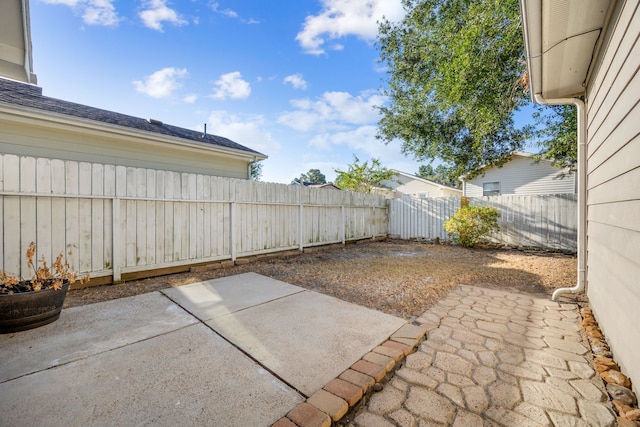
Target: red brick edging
(334, 400)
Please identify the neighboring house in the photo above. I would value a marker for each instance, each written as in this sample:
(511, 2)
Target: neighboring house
(404, 184)
(329, 185)
(35, 125)
(522, 175)
(39, 126)
(591, 49)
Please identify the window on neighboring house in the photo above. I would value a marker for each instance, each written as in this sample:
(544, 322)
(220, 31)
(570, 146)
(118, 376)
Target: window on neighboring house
(491, 189)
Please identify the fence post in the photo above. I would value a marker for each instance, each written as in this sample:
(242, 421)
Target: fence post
(116, 241)
(300, 242)
(343, 230)
(232, 221)
(373, 222)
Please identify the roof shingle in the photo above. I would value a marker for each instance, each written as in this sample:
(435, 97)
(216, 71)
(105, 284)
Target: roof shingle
(26, 95)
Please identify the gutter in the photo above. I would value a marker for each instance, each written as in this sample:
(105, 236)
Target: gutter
(26, 29)
(582, 190)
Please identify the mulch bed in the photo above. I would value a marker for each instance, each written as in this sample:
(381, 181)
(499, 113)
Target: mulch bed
(398, 277)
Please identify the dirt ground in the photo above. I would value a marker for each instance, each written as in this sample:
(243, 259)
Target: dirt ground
(398, 277)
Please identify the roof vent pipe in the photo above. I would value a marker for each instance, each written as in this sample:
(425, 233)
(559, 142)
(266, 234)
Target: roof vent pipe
(204, 135)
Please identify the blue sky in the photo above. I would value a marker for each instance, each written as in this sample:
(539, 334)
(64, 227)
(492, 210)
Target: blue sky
(296, 80)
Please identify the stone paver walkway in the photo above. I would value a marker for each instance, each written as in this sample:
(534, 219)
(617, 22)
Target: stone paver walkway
(494, 358)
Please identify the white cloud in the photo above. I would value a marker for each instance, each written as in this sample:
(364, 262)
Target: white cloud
(190, 99)
(215, 6)
(94, 12)
(334, 110)
(296, 81)
(162, 83)
(339, 18)
(249, 131)
(157, 12)
(231, 85)
(361, 140)
(70, 3)
(357, 139)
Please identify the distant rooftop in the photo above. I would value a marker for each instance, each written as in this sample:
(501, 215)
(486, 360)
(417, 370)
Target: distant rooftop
(30, 96)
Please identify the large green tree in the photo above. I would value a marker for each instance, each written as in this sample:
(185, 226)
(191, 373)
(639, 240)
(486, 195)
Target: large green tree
(454, 74)
(314, 176)
(556, 134)
(441, 174)
(363, 177)
(256, 171)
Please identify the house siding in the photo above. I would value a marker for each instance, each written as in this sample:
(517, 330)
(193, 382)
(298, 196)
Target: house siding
(417, 188)
(29, 139)
(406, 185)
(523, 176)
(613, 190)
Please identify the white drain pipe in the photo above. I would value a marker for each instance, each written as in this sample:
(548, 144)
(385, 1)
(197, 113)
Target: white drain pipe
(582, 190)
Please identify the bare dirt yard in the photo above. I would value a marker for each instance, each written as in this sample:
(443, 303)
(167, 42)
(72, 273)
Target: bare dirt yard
(398, 277)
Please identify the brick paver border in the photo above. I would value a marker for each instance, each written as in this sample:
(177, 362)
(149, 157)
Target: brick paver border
(338, 396)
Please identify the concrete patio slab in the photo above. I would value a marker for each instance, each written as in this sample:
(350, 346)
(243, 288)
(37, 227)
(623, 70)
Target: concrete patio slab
(306, 338)
(218, 297)
(88, 330)
(186, 377)
(265, 347)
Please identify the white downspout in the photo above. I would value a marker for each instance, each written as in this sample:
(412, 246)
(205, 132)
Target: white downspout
(582, 190)
(28, 68)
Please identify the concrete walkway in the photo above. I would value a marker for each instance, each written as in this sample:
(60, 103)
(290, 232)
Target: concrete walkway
(494, 358)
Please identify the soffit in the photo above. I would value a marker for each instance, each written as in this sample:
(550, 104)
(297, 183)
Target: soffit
(562, 36)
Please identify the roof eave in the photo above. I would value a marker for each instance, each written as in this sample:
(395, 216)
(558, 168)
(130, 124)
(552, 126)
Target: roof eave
(561, 40)
(27, 113)
(440, 186)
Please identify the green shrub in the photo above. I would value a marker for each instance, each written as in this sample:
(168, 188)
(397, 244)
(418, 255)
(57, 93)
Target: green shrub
(471, 224)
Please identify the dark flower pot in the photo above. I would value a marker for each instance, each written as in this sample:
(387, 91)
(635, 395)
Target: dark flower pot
(28, 310)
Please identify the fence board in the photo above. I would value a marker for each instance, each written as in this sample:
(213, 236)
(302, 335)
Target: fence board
(43, 211)
(542, 221)
(27, 211)
(166, 218)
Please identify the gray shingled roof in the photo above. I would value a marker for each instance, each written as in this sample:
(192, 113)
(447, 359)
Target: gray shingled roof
(25, 95)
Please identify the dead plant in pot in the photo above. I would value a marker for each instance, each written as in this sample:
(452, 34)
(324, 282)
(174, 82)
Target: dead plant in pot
(30, 303)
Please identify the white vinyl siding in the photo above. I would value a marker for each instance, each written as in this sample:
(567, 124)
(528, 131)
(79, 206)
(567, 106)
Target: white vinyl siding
(405, 185)
(523, 176)
(613, 191)
(85, 145)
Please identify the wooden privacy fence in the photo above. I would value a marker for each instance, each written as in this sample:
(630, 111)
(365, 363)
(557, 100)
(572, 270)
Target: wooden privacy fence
(547, 222)
(118, 219)
(421, 218)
